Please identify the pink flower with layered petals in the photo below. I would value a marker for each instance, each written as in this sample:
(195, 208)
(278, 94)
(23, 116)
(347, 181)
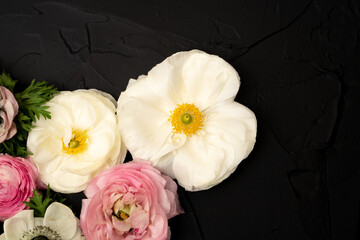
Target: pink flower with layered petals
(129, 201)
(8, 110)
(18, 179)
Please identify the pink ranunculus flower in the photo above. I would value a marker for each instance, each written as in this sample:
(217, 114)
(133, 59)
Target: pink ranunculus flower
(8, 110)
(18, 179)
(129, 201)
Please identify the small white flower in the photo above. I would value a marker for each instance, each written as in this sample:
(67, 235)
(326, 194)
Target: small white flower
(183, 118)
(59, 223)
(81, 139)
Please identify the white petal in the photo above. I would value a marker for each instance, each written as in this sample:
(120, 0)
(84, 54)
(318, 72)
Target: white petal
(101, 140)
(2, 236)
(146, 131)
(36, 136)
(157, 89)
(204, 79)
(85, 115)
(84, 165)
(15, 227)
(60, 114)
(107, 102)
(197, 163)
(235, 124)
(49, 132)
(165, 164)
(227, 138)
(66, 182)
(78, 235)
(82, 105)
(49, 166)
(67, 135)
(61, 219)
(38, 221)
(118, 152)
(104, 97)
(39, 136)
(46, 150)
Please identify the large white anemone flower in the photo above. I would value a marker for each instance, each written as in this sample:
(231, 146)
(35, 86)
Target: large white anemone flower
(183, 118)
(59, 223)
(81, 139)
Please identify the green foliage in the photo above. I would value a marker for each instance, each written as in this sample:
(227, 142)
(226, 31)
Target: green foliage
(31, 101)
(31, 107)
(6, 81)
(14, 146)
(39, 204)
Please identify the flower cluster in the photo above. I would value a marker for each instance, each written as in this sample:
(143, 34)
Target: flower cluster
(180, 121)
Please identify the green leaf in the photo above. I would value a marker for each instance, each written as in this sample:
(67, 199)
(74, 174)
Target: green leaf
(36, 203)
(39, 204)
(6, 81)
(15, 146)
(32, 99)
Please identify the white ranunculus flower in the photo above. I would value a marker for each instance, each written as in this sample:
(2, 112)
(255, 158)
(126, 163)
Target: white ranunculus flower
(59, 223)
(183, 118)
(81, 139)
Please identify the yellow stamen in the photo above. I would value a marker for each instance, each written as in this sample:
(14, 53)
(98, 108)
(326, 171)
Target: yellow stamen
(123, 215)
(186, 118)
(77, 144)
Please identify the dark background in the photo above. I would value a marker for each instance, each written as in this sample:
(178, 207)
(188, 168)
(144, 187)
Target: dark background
(299, 65)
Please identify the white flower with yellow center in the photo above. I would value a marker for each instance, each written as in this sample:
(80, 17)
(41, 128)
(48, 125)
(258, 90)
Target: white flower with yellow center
(81, 139)
(183, 118)
(59, 223)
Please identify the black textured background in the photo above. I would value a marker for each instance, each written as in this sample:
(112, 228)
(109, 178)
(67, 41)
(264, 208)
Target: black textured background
(299, 63)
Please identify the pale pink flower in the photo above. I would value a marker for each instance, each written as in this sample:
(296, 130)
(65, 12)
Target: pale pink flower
(129, 201)
(18, 179)
(8, 110)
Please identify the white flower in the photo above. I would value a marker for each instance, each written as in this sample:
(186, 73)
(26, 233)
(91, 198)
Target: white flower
(80, 139)
(183, 118)
(59, 223)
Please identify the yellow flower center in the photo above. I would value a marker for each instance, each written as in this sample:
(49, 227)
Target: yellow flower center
(122, 214)
(78, 142)
(186, 118)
